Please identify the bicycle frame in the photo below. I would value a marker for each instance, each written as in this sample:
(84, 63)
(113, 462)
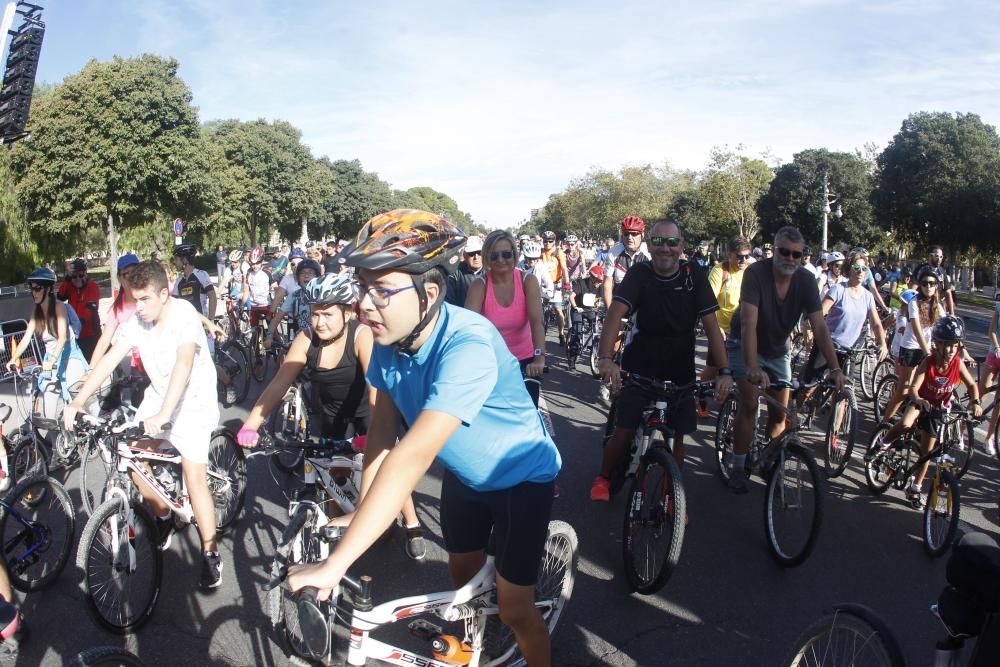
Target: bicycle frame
(30, 534)
(938, 452)
(469, 603)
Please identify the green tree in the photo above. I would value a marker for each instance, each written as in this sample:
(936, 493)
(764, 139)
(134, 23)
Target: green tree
(728, 193)
(264, 176)
(17, 246)
(110, 148)
(442, 204)
(938, 181)
(354, 196)
(795, 197)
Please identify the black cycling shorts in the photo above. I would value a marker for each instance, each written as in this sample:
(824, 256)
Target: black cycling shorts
(911, 358)
(518, 517)
(633, 399)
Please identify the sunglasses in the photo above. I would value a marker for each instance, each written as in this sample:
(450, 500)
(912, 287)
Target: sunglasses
(669, 241)
(742, 258)
(506, 254)
(633, 233)
(786, 252)
(549, 241)
(475, 253)
(858, 267)
(37, 288)
(928, 283)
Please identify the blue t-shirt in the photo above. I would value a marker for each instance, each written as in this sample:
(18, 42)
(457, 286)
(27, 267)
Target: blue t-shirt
(465, 369)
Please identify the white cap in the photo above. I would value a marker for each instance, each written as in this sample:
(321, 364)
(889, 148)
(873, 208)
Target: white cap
(474, 244)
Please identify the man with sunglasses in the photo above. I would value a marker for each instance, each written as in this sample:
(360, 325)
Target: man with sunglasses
(624, 254)
(869, 281)
(470, 269)
(726, 281)
(83, 295)
(776, 292)
(667, 296)
(554, 261)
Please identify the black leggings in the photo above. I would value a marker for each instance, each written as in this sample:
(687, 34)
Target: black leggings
(533, 385)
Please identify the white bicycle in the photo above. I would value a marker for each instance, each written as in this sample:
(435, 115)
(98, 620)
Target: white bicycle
(485, 641)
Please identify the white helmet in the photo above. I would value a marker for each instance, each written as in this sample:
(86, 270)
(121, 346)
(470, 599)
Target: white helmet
(835, 256)
(236, 255)
(531, 250)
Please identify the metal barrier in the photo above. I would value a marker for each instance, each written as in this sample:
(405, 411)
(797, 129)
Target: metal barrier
(13, 331)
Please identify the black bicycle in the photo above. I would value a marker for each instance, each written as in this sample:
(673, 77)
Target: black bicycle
(37, 525)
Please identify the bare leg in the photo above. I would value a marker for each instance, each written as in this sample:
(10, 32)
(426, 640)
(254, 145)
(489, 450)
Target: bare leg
(201, 502)
(519, 613)
(463, 567)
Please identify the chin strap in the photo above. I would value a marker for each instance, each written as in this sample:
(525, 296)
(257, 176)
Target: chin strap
(405, 346)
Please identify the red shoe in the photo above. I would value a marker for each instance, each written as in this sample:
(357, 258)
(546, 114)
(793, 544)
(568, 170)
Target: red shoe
(600, 490)
(702, 408)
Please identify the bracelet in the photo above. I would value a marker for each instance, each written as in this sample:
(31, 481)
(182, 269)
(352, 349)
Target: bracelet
(604, 358)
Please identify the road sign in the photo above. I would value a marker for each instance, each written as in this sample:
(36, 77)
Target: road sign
(178, 226)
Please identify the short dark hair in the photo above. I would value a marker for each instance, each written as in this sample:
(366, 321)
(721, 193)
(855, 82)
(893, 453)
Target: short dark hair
(667, 221)
(935, 247)
(148, 274)
(738, 243)
(789, 233)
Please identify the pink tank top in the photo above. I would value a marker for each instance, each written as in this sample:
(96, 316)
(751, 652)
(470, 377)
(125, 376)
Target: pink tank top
(512, 321)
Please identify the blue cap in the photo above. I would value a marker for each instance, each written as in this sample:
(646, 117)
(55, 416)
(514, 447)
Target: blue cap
(126, 261)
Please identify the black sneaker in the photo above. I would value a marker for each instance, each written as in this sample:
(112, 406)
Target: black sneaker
(211, 570)
(164, 531)
(416, 549)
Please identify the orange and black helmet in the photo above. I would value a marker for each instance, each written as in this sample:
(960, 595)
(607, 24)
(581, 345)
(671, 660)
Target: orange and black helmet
(406, 240)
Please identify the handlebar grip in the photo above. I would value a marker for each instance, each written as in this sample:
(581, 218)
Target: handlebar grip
(4, 406)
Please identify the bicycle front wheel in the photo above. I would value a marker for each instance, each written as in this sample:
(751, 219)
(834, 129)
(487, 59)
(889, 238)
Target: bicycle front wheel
(258, 355)
(553, 589)
(653, 532)
(227, 478)
(37, 529)
(879, 461)
(882, 369)
(233, 359)
(27, 460)
(106, 656)
(285, 421)
(840, 433)
(867, 370)
(850, 635)
(305, 547)
(793, 510)
(886, 388)
(122, 565)
(594, 341)
(941, 514)
(724, 438)
(95, 475)
(962, 435)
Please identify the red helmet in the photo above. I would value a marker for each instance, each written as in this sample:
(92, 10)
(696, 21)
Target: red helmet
(597, 271)
(633, 223)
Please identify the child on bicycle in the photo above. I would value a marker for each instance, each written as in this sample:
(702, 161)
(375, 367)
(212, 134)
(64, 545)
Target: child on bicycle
(448, 373)
(168, 333)
(334, 351)
(933, 384)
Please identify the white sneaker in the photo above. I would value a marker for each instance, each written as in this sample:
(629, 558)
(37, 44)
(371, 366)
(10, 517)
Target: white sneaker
(991, 445)
(605, 393)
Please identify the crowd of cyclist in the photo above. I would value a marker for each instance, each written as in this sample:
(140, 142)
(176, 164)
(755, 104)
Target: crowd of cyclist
(432, 344)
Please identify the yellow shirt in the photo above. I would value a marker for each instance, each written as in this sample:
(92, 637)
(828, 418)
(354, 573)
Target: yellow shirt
(726, 287)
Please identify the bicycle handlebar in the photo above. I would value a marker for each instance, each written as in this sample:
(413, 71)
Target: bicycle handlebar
(698, 388)
(4, 406)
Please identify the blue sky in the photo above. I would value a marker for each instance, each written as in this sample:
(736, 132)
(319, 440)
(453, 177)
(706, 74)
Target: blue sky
(501, 104)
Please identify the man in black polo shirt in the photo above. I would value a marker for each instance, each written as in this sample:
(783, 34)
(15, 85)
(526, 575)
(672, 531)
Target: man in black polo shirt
(775, 293)
(668, 296)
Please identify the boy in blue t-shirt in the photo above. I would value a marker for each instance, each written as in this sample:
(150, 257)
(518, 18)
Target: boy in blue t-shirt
(447, 374)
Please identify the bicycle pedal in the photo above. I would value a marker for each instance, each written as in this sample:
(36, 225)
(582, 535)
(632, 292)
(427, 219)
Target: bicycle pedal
(423, 629)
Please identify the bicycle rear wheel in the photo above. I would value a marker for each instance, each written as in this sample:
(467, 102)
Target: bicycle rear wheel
(37, 530)
(840, 433)
(258, 355)
(882, 369)
(106, 656)
(27, 460)
(851, 635)
(232, 358)
(227, 478)
(867, 370)
(553, 589)
(653, 531)
(122, 565)
(793, 511)
(592, 347)
(724, 438)
(879, 461)
(941, 514)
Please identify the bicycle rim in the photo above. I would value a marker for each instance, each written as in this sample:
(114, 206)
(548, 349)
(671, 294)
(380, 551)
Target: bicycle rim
(553, 589)
(37, 533)
(653, 531)
(794, 507)
(121, 565)
(839, 436)
(851, 635)
(724, 438)
(941, 514)
(879, 469)
(886, 388)
(227, 478)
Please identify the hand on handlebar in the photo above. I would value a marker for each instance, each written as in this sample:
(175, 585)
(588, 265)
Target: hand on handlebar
(838, 378)
(977, 410)
(341, 521)
(69, 416)
(247, 437)
(300, 576)
(723, 385)
(152, 426)
(12, 366)
(47, 365)
(758, 377)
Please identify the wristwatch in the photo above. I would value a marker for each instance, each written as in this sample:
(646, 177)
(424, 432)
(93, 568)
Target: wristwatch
(726, 371)
(538, 352)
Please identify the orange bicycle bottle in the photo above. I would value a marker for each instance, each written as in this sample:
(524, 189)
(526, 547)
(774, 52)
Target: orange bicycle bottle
(450, 649)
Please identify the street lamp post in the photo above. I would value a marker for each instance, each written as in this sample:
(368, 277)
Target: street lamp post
(829, 198)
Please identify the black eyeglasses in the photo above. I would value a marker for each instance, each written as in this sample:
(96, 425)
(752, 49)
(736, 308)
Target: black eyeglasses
(787, 252)
(669, 241)
(37, 288)
(742, 258)
(380, 296)
(506, 254)
(928, 283)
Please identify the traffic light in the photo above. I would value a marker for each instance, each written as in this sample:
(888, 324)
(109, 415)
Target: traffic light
(19, 79)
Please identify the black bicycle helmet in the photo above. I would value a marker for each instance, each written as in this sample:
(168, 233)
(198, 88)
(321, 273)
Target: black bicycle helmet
(949, 329)
(308, 264)
(79, 264)
(185, 250)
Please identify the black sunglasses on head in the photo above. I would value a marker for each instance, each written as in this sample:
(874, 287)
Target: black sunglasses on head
(787, 252)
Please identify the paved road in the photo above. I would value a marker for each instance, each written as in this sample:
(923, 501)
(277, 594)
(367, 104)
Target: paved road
(727, 603)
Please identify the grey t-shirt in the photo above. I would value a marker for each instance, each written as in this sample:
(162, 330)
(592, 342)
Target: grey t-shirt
(775, 317)
(848, 314)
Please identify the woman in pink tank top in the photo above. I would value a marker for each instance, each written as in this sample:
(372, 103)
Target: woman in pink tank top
(512, 301)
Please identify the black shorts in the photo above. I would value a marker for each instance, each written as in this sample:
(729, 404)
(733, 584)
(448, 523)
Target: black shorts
(910, 358)
(518, 517)
(632, 400)
(930, 422)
